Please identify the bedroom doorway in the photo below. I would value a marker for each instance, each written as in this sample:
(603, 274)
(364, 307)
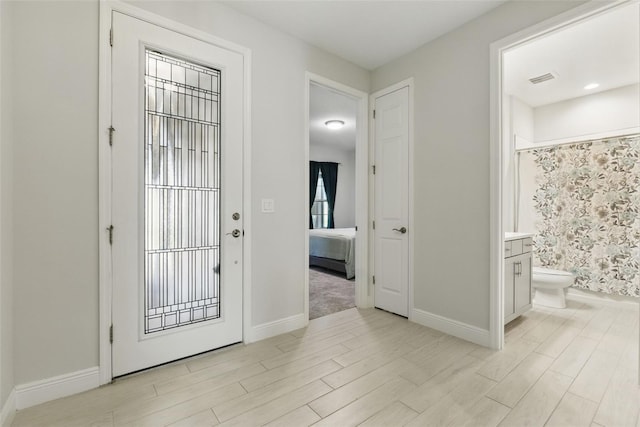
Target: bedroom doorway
(336, 199)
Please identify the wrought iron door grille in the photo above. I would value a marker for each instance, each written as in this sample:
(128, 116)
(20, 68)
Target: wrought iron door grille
(182, 192)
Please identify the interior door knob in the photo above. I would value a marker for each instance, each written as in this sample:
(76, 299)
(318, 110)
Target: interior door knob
(401, 230)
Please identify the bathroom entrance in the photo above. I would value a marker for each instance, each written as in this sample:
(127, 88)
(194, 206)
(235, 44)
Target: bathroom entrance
(565, 137)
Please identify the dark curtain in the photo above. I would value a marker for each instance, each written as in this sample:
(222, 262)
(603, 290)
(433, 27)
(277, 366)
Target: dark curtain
(314, 170)
(330, 177)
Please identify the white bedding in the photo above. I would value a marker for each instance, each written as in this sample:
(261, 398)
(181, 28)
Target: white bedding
(335, 243)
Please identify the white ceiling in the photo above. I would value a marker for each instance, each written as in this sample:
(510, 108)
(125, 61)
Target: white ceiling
(326, 104)
(367, 33)
(605, 49)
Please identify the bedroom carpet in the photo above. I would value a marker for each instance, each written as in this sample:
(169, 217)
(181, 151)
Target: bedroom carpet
(329, 292)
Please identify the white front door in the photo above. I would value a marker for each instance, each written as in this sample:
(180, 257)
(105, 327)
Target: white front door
(176, 195)
(392, 201)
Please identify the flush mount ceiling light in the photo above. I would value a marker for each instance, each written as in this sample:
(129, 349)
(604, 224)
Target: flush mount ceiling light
(334, 124)
(591, 86)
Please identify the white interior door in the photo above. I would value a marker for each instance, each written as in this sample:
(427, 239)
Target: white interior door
(392, 202)
(176, 190)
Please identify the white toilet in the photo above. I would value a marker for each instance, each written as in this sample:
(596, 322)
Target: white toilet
(550, 286)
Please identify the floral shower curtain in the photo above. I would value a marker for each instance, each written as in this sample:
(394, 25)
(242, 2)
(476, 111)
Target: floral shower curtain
(587, 206)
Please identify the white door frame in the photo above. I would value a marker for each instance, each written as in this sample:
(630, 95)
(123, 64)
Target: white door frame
(363, 292)
(372, 149)
(497, 50)
(107, 7)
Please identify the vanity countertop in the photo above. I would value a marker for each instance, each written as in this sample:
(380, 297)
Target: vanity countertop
(510, 235)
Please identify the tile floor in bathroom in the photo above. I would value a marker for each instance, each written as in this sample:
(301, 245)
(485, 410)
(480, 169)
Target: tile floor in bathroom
(571, 367)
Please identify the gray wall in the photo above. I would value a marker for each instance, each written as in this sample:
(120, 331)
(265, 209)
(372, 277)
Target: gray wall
(55, 198)
(6, 167)
(451, 162)
(55, 202)
(345, 209)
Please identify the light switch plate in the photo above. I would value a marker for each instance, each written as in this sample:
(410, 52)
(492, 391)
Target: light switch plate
(268, 206)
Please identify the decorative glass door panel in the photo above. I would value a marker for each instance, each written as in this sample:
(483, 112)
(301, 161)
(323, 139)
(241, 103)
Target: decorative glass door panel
(176, 178)
(182, 192)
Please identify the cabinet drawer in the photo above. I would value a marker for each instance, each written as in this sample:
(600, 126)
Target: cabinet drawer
(516, 247)
(507, 249)
(527, 245)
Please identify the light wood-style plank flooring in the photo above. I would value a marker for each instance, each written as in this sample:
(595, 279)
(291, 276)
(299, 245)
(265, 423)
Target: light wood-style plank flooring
(571, 367)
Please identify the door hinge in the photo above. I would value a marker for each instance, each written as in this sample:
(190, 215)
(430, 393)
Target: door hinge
(374, 114)
(374, 169)
(374, 225)
(374, 280)
(111, 334)
(110, 230)
(111, 37)
(111, 131)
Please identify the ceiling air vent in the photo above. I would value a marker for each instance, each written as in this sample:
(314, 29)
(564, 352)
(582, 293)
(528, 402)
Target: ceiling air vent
(542, 78)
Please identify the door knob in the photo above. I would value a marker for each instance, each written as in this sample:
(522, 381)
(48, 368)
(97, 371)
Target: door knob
(235, 233)
(401, 230)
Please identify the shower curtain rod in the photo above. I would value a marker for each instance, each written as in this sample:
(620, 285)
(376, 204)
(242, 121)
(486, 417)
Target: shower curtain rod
(584, 139)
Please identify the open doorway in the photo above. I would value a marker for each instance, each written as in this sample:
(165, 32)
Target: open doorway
(336, 245)
(566, 141)
(562, 92)
(332, 226)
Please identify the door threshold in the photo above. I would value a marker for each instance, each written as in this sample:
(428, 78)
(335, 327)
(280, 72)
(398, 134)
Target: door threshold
(172, 362)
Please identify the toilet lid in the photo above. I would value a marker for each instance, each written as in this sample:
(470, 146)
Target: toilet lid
(550, 272)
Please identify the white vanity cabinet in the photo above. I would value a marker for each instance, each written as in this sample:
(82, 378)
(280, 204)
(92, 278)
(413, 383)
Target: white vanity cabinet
(517, 274)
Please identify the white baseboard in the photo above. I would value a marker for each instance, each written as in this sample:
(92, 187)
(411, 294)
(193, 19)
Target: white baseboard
(452, 327)
(600, 298)
(8, 410)
(277, 327)
(54, 388)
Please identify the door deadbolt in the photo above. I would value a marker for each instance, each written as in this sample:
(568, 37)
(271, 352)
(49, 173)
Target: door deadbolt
(235, 233)
(235, 216)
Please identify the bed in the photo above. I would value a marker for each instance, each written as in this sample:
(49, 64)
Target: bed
(334, 248)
